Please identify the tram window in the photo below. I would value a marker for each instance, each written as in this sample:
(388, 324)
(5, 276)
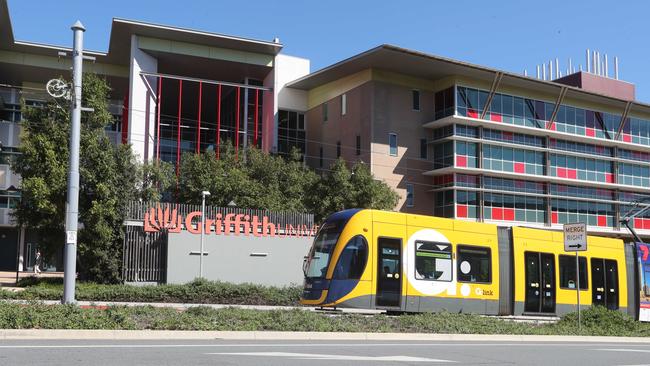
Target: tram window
(353, 259)
(568, 272)
(433, 261)
(474, 264)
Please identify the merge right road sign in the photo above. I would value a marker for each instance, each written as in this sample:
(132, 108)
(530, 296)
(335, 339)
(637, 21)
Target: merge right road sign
(575, 237)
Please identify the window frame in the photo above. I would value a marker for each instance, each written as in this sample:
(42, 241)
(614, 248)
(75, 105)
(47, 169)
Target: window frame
(409, 187)
(424, 154)
(416, 100)
(459, 247)
(390, 147)
(451, 259)
(358, 150)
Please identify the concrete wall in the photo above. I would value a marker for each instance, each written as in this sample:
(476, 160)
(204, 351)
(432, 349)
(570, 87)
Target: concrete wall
(338, 127)
(142, 103)
(375, 109)
(287, 69)
(393, 113)
(237, 259)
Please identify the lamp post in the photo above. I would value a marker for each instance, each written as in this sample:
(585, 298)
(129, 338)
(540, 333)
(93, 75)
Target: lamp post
(203, 194)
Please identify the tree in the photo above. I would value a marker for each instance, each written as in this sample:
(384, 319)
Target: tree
(252, 179)
(109, 179)
(263, 181)
(344, 188)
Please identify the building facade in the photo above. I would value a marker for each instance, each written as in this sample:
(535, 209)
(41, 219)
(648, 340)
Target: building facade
(473, 143)
(453, 139)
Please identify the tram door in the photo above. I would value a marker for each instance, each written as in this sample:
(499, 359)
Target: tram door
(540, 282)
(389, 272)
(604, 283)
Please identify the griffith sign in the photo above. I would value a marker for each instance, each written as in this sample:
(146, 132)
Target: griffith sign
(157, 219)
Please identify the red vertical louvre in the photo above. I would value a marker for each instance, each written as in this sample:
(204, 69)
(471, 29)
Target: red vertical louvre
(178, 129)
(218, 147)
(125, 119)
(198, 125)
(158, 118)
(257, 101)
(237, 125)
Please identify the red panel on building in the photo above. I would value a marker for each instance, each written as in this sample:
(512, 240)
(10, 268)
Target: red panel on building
(461, 211)
(495, 117)
(602, 220)
(520, 168)
(561, 172)
(609, 177)
(627, 137)
(497, 213)
(554, 218)
(509, 214)
(638, 223)
(472, 113)
(590, 132)
(572, 174)
(461, 161)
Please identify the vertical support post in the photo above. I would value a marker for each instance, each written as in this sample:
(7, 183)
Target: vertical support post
(237, 124)
(72, 202)
(218, 147)
(257, 101)
(198, 124)
(202, 223)
(178, 128)
(158, 118)
(578, 288)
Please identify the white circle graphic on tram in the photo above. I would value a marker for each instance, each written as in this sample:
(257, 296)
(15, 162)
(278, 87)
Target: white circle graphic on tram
(465, 267)
(429, 264)
(465, 290)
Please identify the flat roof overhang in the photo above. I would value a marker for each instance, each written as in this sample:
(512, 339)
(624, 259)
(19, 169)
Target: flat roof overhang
(430, 67)
(122, 29)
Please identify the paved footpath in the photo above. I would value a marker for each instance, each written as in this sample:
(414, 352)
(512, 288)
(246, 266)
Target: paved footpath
(278, 348)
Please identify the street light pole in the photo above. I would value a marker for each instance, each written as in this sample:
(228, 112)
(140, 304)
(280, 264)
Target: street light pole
(203, 194)
(72, 206)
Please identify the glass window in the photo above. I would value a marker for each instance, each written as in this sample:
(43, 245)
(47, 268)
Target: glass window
(474, 264)
(416, 99)
(352, 260)
(423, 148)
(358, 145)
(324, 112)
(433, 261)
(338, 149)
(344, 104)
(409, 195)
(392, 143)
(316, 264)
(568, 272)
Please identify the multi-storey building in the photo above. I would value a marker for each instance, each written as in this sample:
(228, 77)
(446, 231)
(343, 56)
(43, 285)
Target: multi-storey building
(474, 143)
(172, 90)
(454, 139)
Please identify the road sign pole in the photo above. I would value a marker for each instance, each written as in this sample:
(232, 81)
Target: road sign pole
(578, 288)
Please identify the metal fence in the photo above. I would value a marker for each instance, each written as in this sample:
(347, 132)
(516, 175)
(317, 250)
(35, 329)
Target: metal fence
(144, 257)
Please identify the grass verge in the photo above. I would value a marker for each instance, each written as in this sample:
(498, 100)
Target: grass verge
(596, 321)
(198, 292)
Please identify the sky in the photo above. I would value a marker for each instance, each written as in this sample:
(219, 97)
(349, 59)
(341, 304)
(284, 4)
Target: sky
(507, 35)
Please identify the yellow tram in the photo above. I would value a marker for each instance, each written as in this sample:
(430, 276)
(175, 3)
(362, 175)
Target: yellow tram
(413, 263)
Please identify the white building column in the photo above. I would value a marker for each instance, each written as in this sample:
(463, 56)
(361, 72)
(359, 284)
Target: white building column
(142, 103)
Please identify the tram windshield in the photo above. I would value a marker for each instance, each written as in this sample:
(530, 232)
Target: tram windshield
(315, 265)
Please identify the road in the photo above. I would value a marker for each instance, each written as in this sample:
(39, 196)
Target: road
(218, 352)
